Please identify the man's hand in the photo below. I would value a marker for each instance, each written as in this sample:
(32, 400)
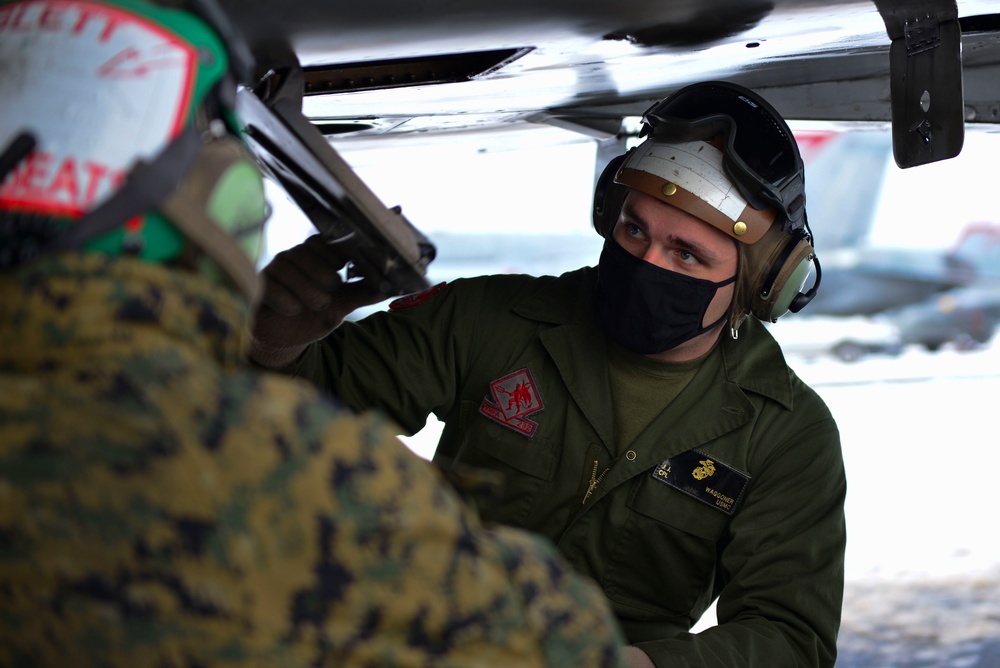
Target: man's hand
(304, 300)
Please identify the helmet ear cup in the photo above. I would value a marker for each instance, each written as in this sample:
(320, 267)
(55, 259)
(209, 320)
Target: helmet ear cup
(776, 281)
(608, 197)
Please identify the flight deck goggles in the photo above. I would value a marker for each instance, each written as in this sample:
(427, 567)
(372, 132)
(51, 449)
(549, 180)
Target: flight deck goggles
(760, 155)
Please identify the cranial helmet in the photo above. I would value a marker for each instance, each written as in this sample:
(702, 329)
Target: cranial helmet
(721, 153)
(117, 135)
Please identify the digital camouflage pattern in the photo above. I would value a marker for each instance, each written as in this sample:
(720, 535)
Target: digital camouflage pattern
(161, 505)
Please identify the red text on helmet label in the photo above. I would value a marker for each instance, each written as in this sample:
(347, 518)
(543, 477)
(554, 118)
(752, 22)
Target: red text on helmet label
(134, 62)
(64, 184)
(70, 18)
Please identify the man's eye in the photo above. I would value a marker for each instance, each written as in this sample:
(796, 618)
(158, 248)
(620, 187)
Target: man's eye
(686, 256)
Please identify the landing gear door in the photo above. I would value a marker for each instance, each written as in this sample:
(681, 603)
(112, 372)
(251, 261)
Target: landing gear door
(925, 65)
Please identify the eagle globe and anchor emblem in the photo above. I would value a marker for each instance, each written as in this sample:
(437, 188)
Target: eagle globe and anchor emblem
(706, 470)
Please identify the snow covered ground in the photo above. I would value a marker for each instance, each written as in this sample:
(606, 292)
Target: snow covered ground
(921, 440)
(920, 435)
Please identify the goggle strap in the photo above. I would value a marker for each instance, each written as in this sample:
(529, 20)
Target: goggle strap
(797, 182)
(146, 186)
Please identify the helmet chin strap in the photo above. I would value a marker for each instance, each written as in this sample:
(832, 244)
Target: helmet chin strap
(17, 150)
(146, 186)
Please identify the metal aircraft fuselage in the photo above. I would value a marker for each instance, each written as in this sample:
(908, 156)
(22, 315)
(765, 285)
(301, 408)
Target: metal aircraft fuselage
(391, 67)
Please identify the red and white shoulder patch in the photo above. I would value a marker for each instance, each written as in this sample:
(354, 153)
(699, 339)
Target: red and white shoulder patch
(416, 299)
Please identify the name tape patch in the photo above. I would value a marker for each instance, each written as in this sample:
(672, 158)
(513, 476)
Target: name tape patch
(704, 478)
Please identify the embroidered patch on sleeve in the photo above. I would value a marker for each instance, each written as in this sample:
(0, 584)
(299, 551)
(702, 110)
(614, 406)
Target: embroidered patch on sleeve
(705, 478)
(416, 299)
(512, 399)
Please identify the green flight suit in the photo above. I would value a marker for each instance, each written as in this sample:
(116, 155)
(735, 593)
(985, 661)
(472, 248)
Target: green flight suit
(161, 505)
(516, 367)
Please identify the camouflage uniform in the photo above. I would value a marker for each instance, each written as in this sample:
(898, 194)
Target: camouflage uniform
(160, 505)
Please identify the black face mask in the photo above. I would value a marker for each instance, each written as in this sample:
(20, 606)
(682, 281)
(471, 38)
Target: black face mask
(648, 309)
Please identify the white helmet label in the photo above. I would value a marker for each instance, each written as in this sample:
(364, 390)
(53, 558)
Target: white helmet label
(98, 87)
(695, 166)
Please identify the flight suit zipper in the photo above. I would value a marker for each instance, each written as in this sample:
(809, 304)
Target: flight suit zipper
(595, 480)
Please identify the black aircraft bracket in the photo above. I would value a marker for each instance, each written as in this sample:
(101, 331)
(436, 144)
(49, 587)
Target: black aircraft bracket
(925, 70)
(383, 246)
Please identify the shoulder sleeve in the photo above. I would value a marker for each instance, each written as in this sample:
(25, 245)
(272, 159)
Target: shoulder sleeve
(406, 362)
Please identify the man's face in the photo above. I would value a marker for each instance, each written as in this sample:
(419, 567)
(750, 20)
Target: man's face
(673, 239)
